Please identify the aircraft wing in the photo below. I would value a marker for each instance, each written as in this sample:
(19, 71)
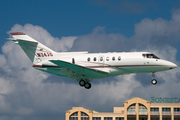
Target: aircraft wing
(79, 71)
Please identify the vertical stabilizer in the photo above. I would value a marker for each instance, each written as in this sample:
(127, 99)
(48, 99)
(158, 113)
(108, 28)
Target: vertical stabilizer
(36, 51)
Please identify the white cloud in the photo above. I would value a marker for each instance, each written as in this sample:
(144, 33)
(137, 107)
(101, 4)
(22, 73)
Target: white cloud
(176, 15)
(42, 35)
(3, 61)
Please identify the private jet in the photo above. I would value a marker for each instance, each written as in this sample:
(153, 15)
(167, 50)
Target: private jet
(83, 66)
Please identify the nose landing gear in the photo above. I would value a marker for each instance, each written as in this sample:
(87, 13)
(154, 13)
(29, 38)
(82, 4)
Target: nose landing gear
(85, 84)
(154, 81)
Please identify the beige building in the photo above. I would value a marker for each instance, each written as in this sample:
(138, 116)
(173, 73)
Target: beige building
(134, 109)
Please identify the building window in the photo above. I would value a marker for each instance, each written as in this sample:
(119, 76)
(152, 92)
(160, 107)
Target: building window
(119, 58)
(119, 118)
(107, 59)
(131, 110)
(84, 116)
(176, 109)
(154, 109)
(88, 59)
(142, 118)
(142, 110)
(155, 118)
(176, 118)
(142, 107)
(165, 118)
(131, 118)
(74, 116)
(166, 109)
(94, 58)
(107, 118)
(113, 58)
(96, 118)
(131, 107)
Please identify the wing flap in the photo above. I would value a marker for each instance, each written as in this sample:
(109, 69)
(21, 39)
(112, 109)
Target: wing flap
(85, 72)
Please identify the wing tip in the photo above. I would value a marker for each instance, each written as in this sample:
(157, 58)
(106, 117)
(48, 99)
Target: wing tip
(17, 33)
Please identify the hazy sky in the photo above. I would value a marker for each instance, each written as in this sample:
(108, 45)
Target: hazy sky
(84, 25)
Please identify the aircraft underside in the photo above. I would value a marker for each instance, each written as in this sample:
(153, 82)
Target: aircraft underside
(84, 81)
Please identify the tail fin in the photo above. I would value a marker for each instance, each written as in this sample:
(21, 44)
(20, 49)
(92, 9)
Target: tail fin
(36, 51)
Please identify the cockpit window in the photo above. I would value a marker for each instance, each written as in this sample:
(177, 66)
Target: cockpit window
(150, 56)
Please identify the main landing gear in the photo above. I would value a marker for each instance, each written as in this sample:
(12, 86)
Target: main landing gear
(85, 84)
(154, 81)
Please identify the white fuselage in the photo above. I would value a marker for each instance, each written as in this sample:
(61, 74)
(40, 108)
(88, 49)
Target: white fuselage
(112, 63)
(84, 66)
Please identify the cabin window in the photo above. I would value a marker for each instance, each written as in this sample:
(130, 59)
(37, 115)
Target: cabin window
(107, 58)
(94, 58)
(113, 58)
(144, 55)
(119, 58)
(88, 59)
(154, 56)
(101, 58)
(73, 61)
(150, 56)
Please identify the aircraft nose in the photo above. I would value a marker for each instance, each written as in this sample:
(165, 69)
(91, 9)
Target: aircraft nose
(172, 65)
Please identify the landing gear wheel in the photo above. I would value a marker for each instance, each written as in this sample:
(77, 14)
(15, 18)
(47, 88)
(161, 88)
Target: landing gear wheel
(81, 83)
(154, 81)
(87, 85)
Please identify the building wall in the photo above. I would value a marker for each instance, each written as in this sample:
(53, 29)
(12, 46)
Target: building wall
(118, 109)
(122, 111)
(166, 105)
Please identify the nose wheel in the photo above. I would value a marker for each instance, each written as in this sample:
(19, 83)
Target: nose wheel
(85, 84)
(154, 81)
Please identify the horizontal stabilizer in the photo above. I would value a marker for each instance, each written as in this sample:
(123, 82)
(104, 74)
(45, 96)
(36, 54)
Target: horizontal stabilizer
(22, 36)
(12, 39)
(23, 42)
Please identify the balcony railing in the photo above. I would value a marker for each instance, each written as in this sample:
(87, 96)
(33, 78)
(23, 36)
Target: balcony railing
(143, 112)
(131, 112)
(176, 112)
(154, 112)
(166, 112)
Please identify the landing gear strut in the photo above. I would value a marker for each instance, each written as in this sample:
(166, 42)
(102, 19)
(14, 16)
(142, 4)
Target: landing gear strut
(154, 81)
(85, 84)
